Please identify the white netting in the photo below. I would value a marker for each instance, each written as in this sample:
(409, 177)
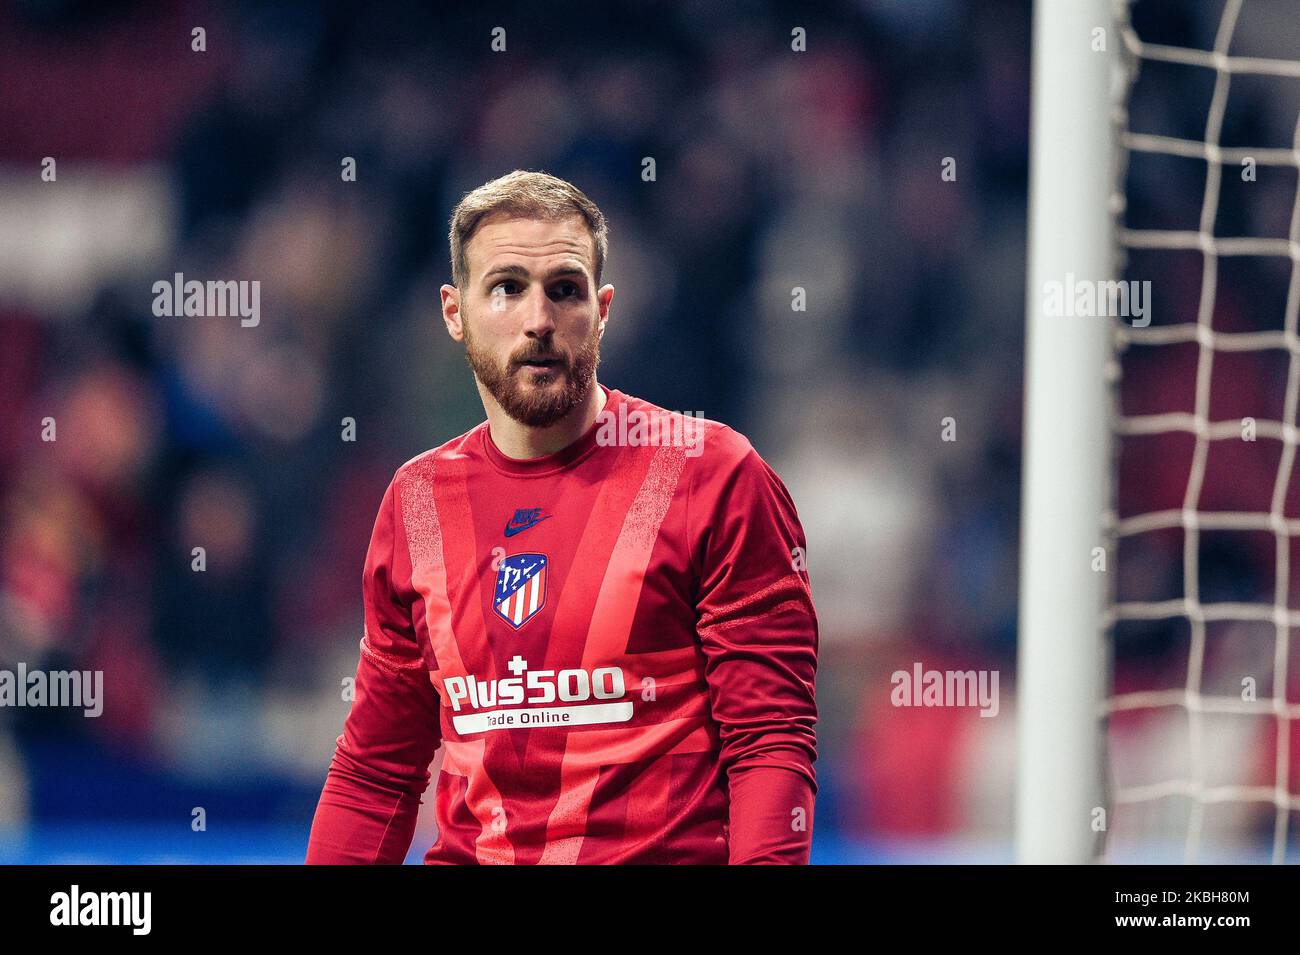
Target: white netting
(1193, 790)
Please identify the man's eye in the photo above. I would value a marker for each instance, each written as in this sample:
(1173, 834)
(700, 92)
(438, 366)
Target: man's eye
(504, 288)
(566, 290)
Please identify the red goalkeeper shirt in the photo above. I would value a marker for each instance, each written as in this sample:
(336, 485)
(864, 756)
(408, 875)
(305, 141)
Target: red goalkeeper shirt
(615, 646)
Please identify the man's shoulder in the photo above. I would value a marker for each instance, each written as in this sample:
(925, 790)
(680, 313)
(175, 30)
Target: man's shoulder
(458, 448)
(714, 443)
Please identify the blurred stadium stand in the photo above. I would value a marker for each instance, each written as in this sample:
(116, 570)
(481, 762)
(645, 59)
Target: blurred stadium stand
(775, 169)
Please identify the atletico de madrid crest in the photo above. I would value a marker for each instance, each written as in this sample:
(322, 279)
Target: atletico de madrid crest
(521, 588)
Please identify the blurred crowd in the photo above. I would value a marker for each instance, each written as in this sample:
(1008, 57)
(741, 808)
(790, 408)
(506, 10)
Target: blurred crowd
(773, 169)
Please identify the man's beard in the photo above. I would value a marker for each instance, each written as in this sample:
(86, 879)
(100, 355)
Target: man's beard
(533, 406)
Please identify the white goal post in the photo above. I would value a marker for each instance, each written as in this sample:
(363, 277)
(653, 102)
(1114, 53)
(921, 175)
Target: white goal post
(1083, 140)
(1067, 469)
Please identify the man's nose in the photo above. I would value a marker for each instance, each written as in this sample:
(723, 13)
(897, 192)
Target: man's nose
(538, 320)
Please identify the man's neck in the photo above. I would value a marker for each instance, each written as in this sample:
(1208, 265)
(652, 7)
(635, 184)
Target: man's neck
(516, 440)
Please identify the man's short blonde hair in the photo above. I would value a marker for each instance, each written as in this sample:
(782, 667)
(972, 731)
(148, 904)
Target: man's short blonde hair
(528, 195)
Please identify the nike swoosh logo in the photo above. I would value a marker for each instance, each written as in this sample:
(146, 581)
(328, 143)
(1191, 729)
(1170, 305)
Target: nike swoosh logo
(512, 530)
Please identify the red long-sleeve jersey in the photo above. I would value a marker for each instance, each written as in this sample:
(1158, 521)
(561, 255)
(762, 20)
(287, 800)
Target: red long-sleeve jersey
(615, 645)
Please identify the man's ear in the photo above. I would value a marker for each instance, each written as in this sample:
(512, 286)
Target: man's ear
(604, 298)
(451, 316)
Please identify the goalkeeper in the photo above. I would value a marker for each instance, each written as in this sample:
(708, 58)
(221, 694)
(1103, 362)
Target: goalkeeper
(595, 607)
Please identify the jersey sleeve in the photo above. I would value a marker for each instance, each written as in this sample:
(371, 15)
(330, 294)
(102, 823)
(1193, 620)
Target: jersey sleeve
(368, 807)
(758, 632)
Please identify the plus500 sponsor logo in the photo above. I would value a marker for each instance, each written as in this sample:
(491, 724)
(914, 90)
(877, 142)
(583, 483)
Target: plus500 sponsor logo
(537, 686)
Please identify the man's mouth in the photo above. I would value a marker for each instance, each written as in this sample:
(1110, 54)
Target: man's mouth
(541, 364)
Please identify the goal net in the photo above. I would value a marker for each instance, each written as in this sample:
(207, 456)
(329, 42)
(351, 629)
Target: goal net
(1202, 756)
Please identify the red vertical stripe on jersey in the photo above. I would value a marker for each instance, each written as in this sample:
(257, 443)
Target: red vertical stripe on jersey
(647, 802)
(483, 799)
(445, 505)
(610, 627)
(428, 570)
